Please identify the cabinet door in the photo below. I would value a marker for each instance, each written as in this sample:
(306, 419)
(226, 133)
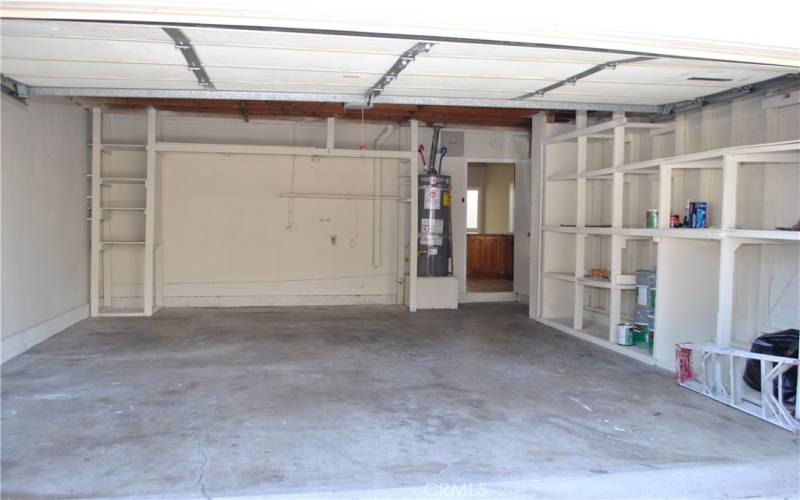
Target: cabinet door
(474, 254)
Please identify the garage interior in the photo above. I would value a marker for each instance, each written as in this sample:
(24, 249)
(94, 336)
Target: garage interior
(238, 261)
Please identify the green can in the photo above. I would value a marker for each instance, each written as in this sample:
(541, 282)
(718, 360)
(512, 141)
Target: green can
(641, 333)
(652, 217)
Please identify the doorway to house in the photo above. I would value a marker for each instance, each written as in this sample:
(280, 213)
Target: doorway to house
(490, 227)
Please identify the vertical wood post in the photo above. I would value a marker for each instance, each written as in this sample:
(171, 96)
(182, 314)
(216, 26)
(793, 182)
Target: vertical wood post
(413, 222)
(580, 220)
(617, 242)
(150, 215)
(730, 175)
(96, 246)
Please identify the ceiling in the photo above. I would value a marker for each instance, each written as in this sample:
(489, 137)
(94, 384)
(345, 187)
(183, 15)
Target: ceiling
(136, 60)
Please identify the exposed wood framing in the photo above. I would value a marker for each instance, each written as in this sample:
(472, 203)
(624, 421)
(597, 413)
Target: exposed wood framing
(399, 113)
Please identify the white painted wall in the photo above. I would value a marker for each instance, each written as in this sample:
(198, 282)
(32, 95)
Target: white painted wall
(226, 236)
(45, 244)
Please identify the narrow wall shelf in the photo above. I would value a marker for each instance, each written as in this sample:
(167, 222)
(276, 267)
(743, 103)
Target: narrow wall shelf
(561, 276)
(122, 180)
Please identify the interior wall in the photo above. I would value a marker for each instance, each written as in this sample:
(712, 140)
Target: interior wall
(45, 242)
(499, 178)
(493, 181)
(228, 237)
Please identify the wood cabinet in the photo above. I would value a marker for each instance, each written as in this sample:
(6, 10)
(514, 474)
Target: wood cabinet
(490, 256)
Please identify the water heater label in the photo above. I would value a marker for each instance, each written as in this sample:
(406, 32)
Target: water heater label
(431, 226)
(430, 240)
(433, 199)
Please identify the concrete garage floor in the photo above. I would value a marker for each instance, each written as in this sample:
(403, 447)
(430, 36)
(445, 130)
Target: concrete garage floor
(352, 402)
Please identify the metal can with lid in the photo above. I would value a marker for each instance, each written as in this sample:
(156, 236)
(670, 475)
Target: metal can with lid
(652, 217)
(624, 334)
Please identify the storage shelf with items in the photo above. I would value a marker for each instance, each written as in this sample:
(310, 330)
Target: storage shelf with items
(744, 194)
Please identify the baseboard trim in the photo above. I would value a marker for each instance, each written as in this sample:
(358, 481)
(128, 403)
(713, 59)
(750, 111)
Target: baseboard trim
(279, 300)
(23, 340)
(475, 297)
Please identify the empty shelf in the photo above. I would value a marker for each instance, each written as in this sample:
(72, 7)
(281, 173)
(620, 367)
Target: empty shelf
(124, 209)
(122, 242)
(120, 311)
(128, 147)
(601, 283)
(122, 180)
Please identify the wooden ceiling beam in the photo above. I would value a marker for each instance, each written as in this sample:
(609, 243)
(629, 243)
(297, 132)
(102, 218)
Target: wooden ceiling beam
(455, 115)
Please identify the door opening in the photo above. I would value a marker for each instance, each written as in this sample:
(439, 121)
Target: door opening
(490, 227)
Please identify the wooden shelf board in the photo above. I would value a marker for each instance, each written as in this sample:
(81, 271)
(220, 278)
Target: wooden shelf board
(701, 234)
(594, 129)
(560, 276)
(560, 229)
(704, 159)
(763, 234)
(120, 312)
(562, 177)
(122, 180)
(600, 283)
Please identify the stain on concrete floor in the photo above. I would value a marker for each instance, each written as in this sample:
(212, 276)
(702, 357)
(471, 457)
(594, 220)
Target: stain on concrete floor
(210, 402)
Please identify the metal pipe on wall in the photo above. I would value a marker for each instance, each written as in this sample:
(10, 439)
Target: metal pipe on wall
(377, 204)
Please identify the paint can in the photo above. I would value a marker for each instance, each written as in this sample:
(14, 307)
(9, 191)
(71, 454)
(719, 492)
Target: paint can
(646, 277)
(641, 333)
(652, 217)
(624, 334)
(640, 324)
(641, 295)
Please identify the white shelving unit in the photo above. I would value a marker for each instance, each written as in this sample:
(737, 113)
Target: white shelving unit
(597, 183)
(106, 242)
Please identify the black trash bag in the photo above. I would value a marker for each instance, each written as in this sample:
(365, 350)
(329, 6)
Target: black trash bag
(785, 344)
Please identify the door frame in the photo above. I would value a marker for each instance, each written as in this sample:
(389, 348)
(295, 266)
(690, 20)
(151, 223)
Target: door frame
(468, 296)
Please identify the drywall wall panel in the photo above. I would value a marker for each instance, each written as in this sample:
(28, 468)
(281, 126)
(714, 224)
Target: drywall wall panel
(45, 243)
(494, 182)
(228, 237)
(228, 232)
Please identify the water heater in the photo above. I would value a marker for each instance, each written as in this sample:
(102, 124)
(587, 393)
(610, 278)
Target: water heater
(433, 248)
